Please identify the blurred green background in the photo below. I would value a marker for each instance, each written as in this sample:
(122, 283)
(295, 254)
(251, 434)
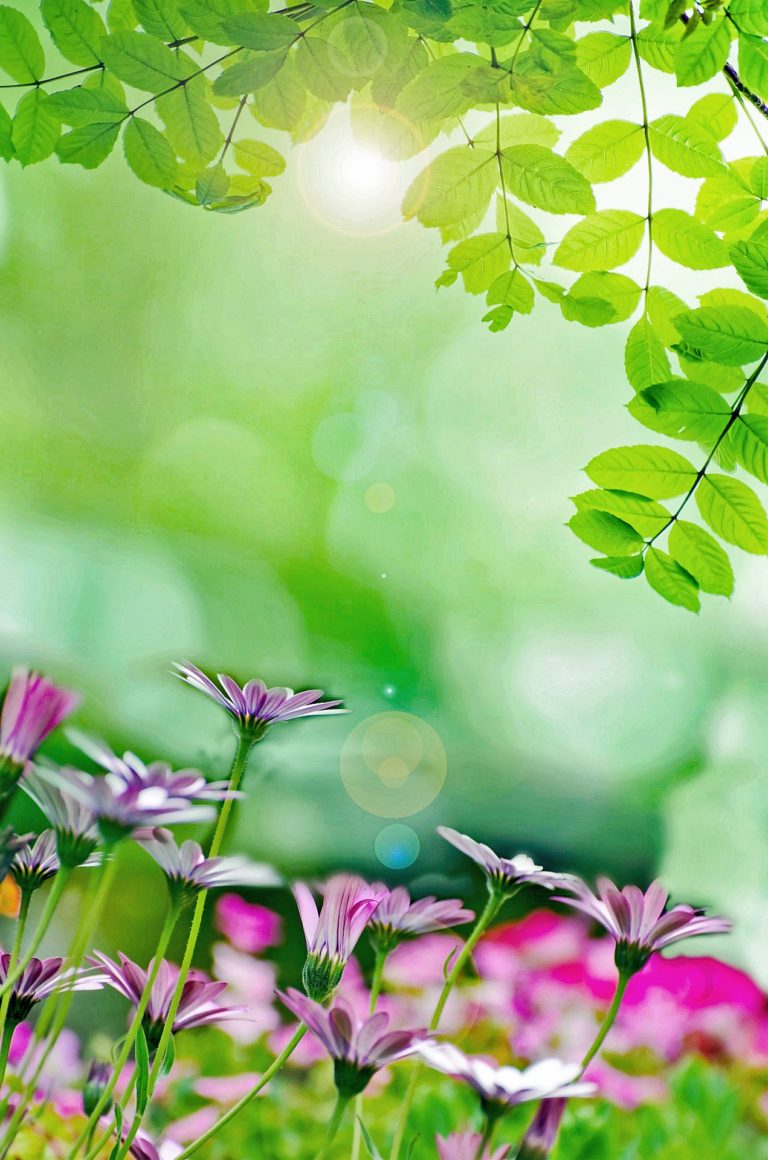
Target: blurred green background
(265, 443)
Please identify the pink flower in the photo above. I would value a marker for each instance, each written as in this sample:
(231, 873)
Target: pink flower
(639, 923)
(253, 706)
(539, 1139)
(358, 1048)
(251, 984)
(397, 917)
(332, 934)
(506, 875)
(464, 1146)
(32, 709)
(188, 871)
(246, 925)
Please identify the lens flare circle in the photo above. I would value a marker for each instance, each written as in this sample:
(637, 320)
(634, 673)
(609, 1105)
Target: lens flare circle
(393, 764)
(397, 846)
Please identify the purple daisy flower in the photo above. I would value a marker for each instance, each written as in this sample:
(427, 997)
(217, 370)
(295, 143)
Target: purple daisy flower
(10, 844)
(73, 822)
(504, 875)
(541, 1136)
(137, 775)
(253, 706)
(506, 1087)
(41, 978)
(465, 1145)
(142, 1148)
(198, 1006)
(358, 1049)
(639, 923)
(96, 1081)
(122, 806)
(332, 934)
(36, 862)
(189, 871)
(32, 709)
(397, 917)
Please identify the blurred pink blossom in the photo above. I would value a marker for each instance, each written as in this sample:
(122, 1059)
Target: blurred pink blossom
(246, 925)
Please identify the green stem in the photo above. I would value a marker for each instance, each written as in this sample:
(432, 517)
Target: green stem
(608, 1021)
(648, 154)
(16, 968)
(490, 1124)
(376, 982)
(5, 1047)
(54, 1015)
(21, 923)
(162, 945)
(496, 899)
(235, 1110)
(334, 1125)
(239, 763)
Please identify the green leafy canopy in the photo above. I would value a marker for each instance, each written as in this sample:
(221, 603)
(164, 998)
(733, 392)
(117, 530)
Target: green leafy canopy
(198, 92)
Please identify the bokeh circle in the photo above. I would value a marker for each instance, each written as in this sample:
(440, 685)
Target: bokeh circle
(393, 764)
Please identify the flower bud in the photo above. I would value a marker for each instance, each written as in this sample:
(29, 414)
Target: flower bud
(95, 1085)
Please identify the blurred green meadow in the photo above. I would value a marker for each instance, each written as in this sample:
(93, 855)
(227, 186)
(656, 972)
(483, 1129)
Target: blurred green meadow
(266, 443)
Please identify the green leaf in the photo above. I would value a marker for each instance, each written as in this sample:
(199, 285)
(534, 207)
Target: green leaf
(404, 61)
(84, 106)
(603, 56)
(513, 293)
(480, 260)
(701, 56)
(607, 151)
(645, 515)
(545, 180)
(141, 61)
(658, 46)
(685, 147)
(655, 472)
(89, 145)
(493, 22)
(606, 533)
(700, 554)
(212, 185)
(206, 17)
(21, 53)
(149, 154)
(682, 409)
(141, 1052)
(248, 74)
(6, 137)
(121, 16)
(625, 567)
(663, 306)
(566, 91)
(601, 241)
(191, 124)
(685, 240)
(750, 15)
(731, 335)
(528, 242)
(519, 129)
(717, 113)
(734, 512)
(258, 158)
(260, 30)
(316, 67)
(280, 104)
(599, 298)
(753, 64)
(456, 184)
(749, 442)
(671, 581)
(751, 261)
(436, 93)
(76, 29)
(645, 359)
(36, 128)
(161, 18)
(724, 204)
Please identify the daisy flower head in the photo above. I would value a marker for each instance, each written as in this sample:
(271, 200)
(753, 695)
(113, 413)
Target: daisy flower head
(504, 876)
(332, 932)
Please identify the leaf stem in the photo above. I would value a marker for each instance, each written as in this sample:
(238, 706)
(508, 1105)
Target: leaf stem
(334, 1125)
(648, 154)
(21, 923)
(608, 1021)
(16, 970)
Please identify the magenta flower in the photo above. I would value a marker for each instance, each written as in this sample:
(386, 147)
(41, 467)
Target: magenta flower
(358, 1048)
(397, 917)
(246, 925)
(198, 1006)
(639, 923)
(332, 935)
(506, 1087)
(42, 978)
(187, 784)
(189, 871)
(142, 1148)
(540, 1138)
(503, 875)
(464, 1146)
(73, 822)
(32, 709)
(253, 706)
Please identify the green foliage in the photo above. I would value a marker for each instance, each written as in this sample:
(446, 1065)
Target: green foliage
(482, 85)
